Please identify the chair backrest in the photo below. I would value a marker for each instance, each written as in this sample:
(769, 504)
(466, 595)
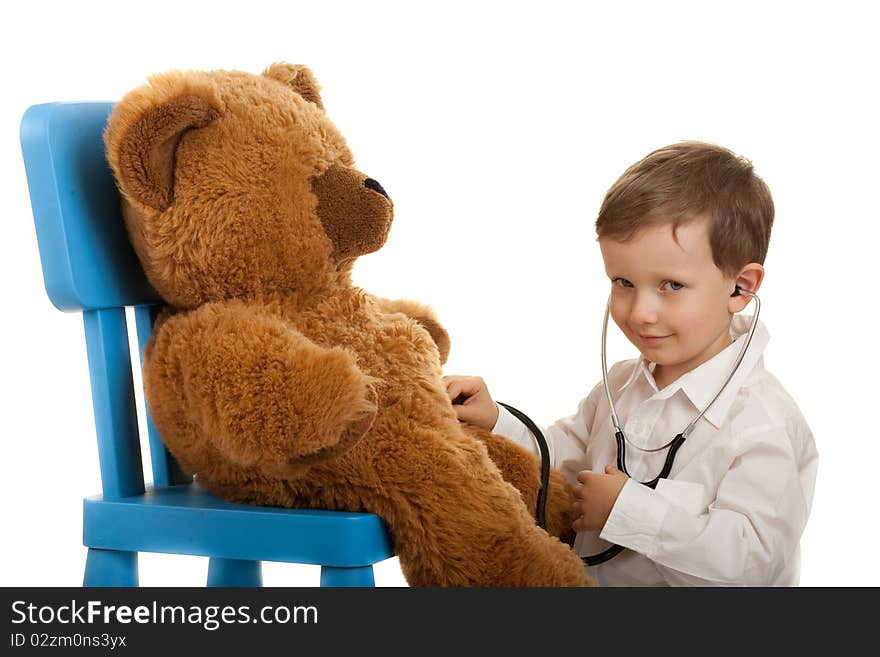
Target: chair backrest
(89, 266)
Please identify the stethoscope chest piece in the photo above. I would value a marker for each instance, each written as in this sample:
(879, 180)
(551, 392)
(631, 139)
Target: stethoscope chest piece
(673, 446)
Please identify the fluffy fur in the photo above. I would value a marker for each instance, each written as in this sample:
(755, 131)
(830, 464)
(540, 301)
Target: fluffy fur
(270, 375)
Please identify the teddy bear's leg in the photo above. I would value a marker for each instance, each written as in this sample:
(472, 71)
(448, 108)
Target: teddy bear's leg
(262, 394)
(456, 522)
(523, 469)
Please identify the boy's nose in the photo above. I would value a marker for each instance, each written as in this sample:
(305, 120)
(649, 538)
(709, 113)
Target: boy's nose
(643, 311)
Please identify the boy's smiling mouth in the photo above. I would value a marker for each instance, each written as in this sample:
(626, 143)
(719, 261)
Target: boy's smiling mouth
(652, 339)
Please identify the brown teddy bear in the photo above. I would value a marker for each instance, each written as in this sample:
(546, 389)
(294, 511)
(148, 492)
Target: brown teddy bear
(270, 375)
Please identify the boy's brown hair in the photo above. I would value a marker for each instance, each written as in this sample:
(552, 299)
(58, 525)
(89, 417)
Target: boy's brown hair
(690, 180)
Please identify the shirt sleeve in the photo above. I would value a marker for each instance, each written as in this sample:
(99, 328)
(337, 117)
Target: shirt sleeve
(749, 531)
(566, 438)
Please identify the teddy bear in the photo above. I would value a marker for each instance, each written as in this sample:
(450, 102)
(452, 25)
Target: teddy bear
(273, 378)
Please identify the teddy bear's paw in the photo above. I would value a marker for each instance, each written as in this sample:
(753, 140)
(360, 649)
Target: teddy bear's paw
(321, 446)
(426, 318)
(361, 424)
(438, 335)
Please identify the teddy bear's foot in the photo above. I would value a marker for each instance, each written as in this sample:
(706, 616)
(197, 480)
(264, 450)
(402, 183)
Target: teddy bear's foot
(476, 531)
(525, 556)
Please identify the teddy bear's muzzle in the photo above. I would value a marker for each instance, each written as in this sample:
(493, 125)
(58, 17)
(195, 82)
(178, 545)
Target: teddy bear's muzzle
(354, 210)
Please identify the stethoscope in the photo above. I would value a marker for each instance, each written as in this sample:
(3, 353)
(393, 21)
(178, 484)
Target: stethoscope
(620, 437)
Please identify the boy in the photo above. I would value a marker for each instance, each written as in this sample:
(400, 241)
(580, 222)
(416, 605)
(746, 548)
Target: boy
(678, 232)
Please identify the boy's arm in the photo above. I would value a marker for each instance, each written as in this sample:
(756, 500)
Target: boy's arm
(566, 439)
(749, 531)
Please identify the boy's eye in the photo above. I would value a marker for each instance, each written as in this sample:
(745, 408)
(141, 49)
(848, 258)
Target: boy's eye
(621, 282)
(672, 285)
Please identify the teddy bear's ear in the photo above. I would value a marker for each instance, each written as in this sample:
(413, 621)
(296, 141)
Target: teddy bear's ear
(299, 78)
(142, 153)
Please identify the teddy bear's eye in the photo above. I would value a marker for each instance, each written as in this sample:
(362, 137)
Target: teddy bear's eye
(369, 183)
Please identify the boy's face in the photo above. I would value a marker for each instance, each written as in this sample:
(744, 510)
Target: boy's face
(669, 298)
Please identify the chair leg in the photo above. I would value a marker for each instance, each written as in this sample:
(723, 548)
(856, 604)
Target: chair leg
(111, 568)
(361, 576)
(234, 572)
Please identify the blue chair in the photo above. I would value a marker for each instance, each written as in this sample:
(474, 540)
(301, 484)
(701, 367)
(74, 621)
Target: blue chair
(90, 267)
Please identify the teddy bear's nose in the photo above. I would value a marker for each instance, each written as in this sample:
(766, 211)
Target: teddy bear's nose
(369, 183)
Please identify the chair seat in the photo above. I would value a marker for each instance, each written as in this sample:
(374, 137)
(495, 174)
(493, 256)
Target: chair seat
(185, 519)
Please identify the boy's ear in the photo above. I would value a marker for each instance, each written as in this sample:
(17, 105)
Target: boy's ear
(297, 77)
(749, 278)
(141, 145)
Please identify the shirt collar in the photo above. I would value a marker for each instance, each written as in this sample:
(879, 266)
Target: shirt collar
(643, 367)
(702, 383)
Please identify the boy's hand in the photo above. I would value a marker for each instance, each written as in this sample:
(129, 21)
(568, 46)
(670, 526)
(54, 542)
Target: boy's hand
(596, 496)
(471, 400)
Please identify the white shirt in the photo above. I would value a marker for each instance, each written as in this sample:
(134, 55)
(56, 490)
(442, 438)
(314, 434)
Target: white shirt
(737, 499)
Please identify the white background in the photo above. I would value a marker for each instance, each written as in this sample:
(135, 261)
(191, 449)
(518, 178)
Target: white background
(496, 128)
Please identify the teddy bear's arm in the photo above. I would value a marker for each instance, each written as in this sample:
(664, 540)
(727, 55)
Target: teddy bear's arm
(255, 390)
(424, 316)
(523, 470)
